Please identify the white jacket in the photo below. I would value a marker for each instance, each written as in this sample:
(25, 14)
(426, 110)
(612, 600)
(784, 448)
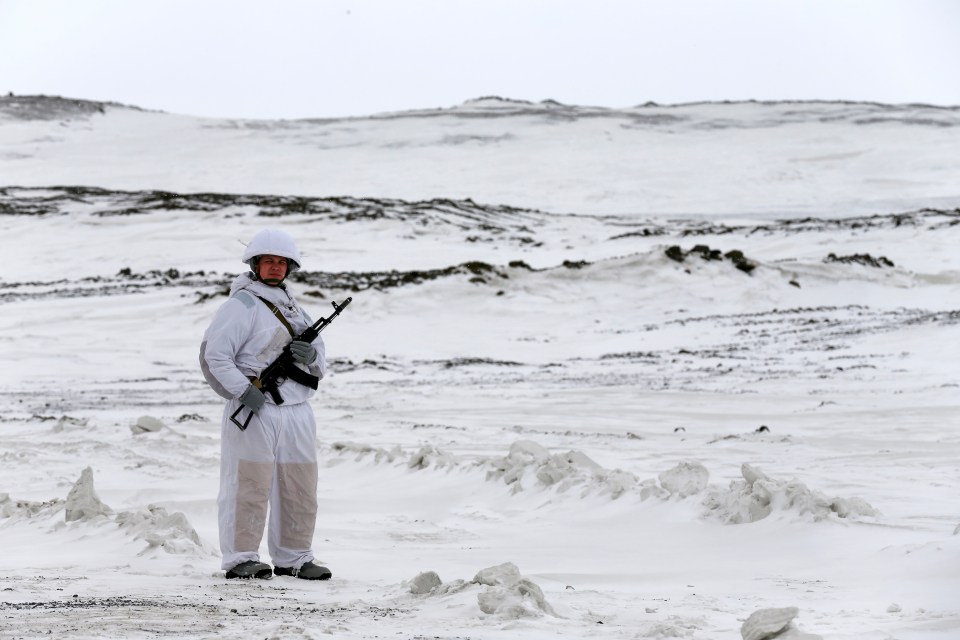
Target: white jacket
(245, 337)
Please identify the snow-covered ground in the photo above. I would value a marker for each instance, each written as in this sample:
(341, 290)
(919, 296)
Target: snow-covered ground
(632, 374)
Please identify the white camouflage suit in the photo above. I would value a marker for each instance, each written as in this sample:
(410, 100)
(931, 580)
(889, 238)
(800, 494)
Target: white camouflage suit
(274, 460)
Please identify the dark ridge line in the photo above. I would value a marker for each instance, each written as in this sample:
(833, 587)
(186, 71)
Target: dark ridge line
(92, 190)
(289, 204)
(542, 106)
(313, 282)
(907, 315)
(794, 225)
(11, 96)
(449, 363)
(521, 104)
(770, 312)
(651, 224)
(571, 112)
(553, 107)
(810, 102)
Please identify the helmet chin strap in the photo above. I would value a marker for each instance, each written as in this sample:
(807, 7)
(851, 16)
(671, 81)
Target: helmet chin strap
(270, 282)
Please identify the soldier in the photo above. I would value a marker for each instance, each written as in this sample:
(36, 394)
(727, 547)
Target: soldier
(274, 460)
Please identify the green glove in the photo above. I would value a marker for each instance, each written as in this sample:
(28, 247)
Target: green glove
(252, 398)
(303, 352)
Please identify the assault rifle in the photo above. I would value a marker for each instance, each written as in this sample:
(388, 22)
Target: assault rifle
(284, 367)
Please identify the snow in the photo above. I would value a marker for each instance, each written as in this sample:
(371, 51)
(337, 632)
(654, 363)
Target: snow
(540, 421)
(781, 158)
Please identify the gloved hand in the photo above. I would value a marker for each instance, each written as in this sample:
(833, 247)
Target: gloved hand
(252, 398)
(303, 352)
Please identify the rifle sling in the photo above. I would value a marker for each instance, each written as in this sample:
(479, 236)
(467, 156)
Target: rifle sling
(276, 312)
(300, 376)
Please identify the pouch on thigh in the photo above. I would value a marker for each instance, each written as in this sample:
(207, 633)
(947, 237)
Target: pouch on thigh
(298, 503)
(253, 494)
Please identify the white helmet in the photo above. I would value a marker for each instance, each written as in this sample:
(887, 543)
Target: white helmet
(273, 242)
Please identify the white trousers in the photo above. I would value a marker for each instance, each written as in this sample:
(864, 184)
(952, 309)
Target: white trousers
(273, 462)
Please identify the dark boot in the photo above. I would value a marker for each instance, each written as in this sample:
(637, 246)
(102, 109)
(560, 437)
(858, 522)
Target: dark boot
(250, 569)
(308, 571)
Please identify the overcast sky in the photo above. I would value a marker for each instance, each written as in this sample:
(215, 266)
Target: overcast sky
(294, 59)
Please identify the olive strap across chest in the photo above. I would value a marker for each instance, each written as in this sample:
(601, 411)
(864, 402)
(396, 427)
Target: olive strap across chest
(273, 308)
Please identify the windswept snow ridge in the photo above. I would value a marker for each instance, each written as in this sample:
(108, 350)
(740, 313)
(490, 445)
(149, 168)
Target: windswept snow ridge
(757, 496)
(530, 466)
(171, 533)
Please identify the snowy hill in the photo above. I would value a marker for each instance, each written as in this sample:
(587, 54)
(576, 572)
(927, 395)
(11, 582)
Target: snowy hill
(587, 413)
(790, 158)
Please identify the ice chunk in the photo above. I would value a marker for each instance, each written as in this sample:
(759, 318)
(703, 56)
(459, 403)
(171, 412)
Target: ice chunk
(171, 532)
(757, 496)
(506, 573)
(146, 424)
(425, 583)
(685, 479)
(510, 595)
(767, 623)
(83, 502)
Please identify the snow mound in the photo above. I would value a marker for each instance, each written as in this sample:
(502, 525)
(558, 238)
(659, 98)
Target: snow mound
(430, 456)
(685, 479)
(505, 593)
(510, 595)
(757, 496)
(82, 502)
(425, 583)
(289, 631)
(65, 422)
(361, 451)
(529, 461)
(17, 509)
(528, 464)
(159, 529)
(674, 627)
(170, 532)
(767, 624)
(146, 424)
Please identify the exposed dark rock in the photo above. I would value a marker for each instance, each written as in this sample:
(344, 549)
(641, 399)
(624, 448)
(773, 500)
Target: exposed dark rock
(40, 107)
(469, 362)
(675, 253)
(706, 253)
(630, 355)
(495, 220)
(737, 258)
(861, 258)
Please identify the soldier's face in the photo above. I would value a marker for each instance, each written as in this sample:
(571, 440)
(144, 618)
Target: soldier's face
(272, 269)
